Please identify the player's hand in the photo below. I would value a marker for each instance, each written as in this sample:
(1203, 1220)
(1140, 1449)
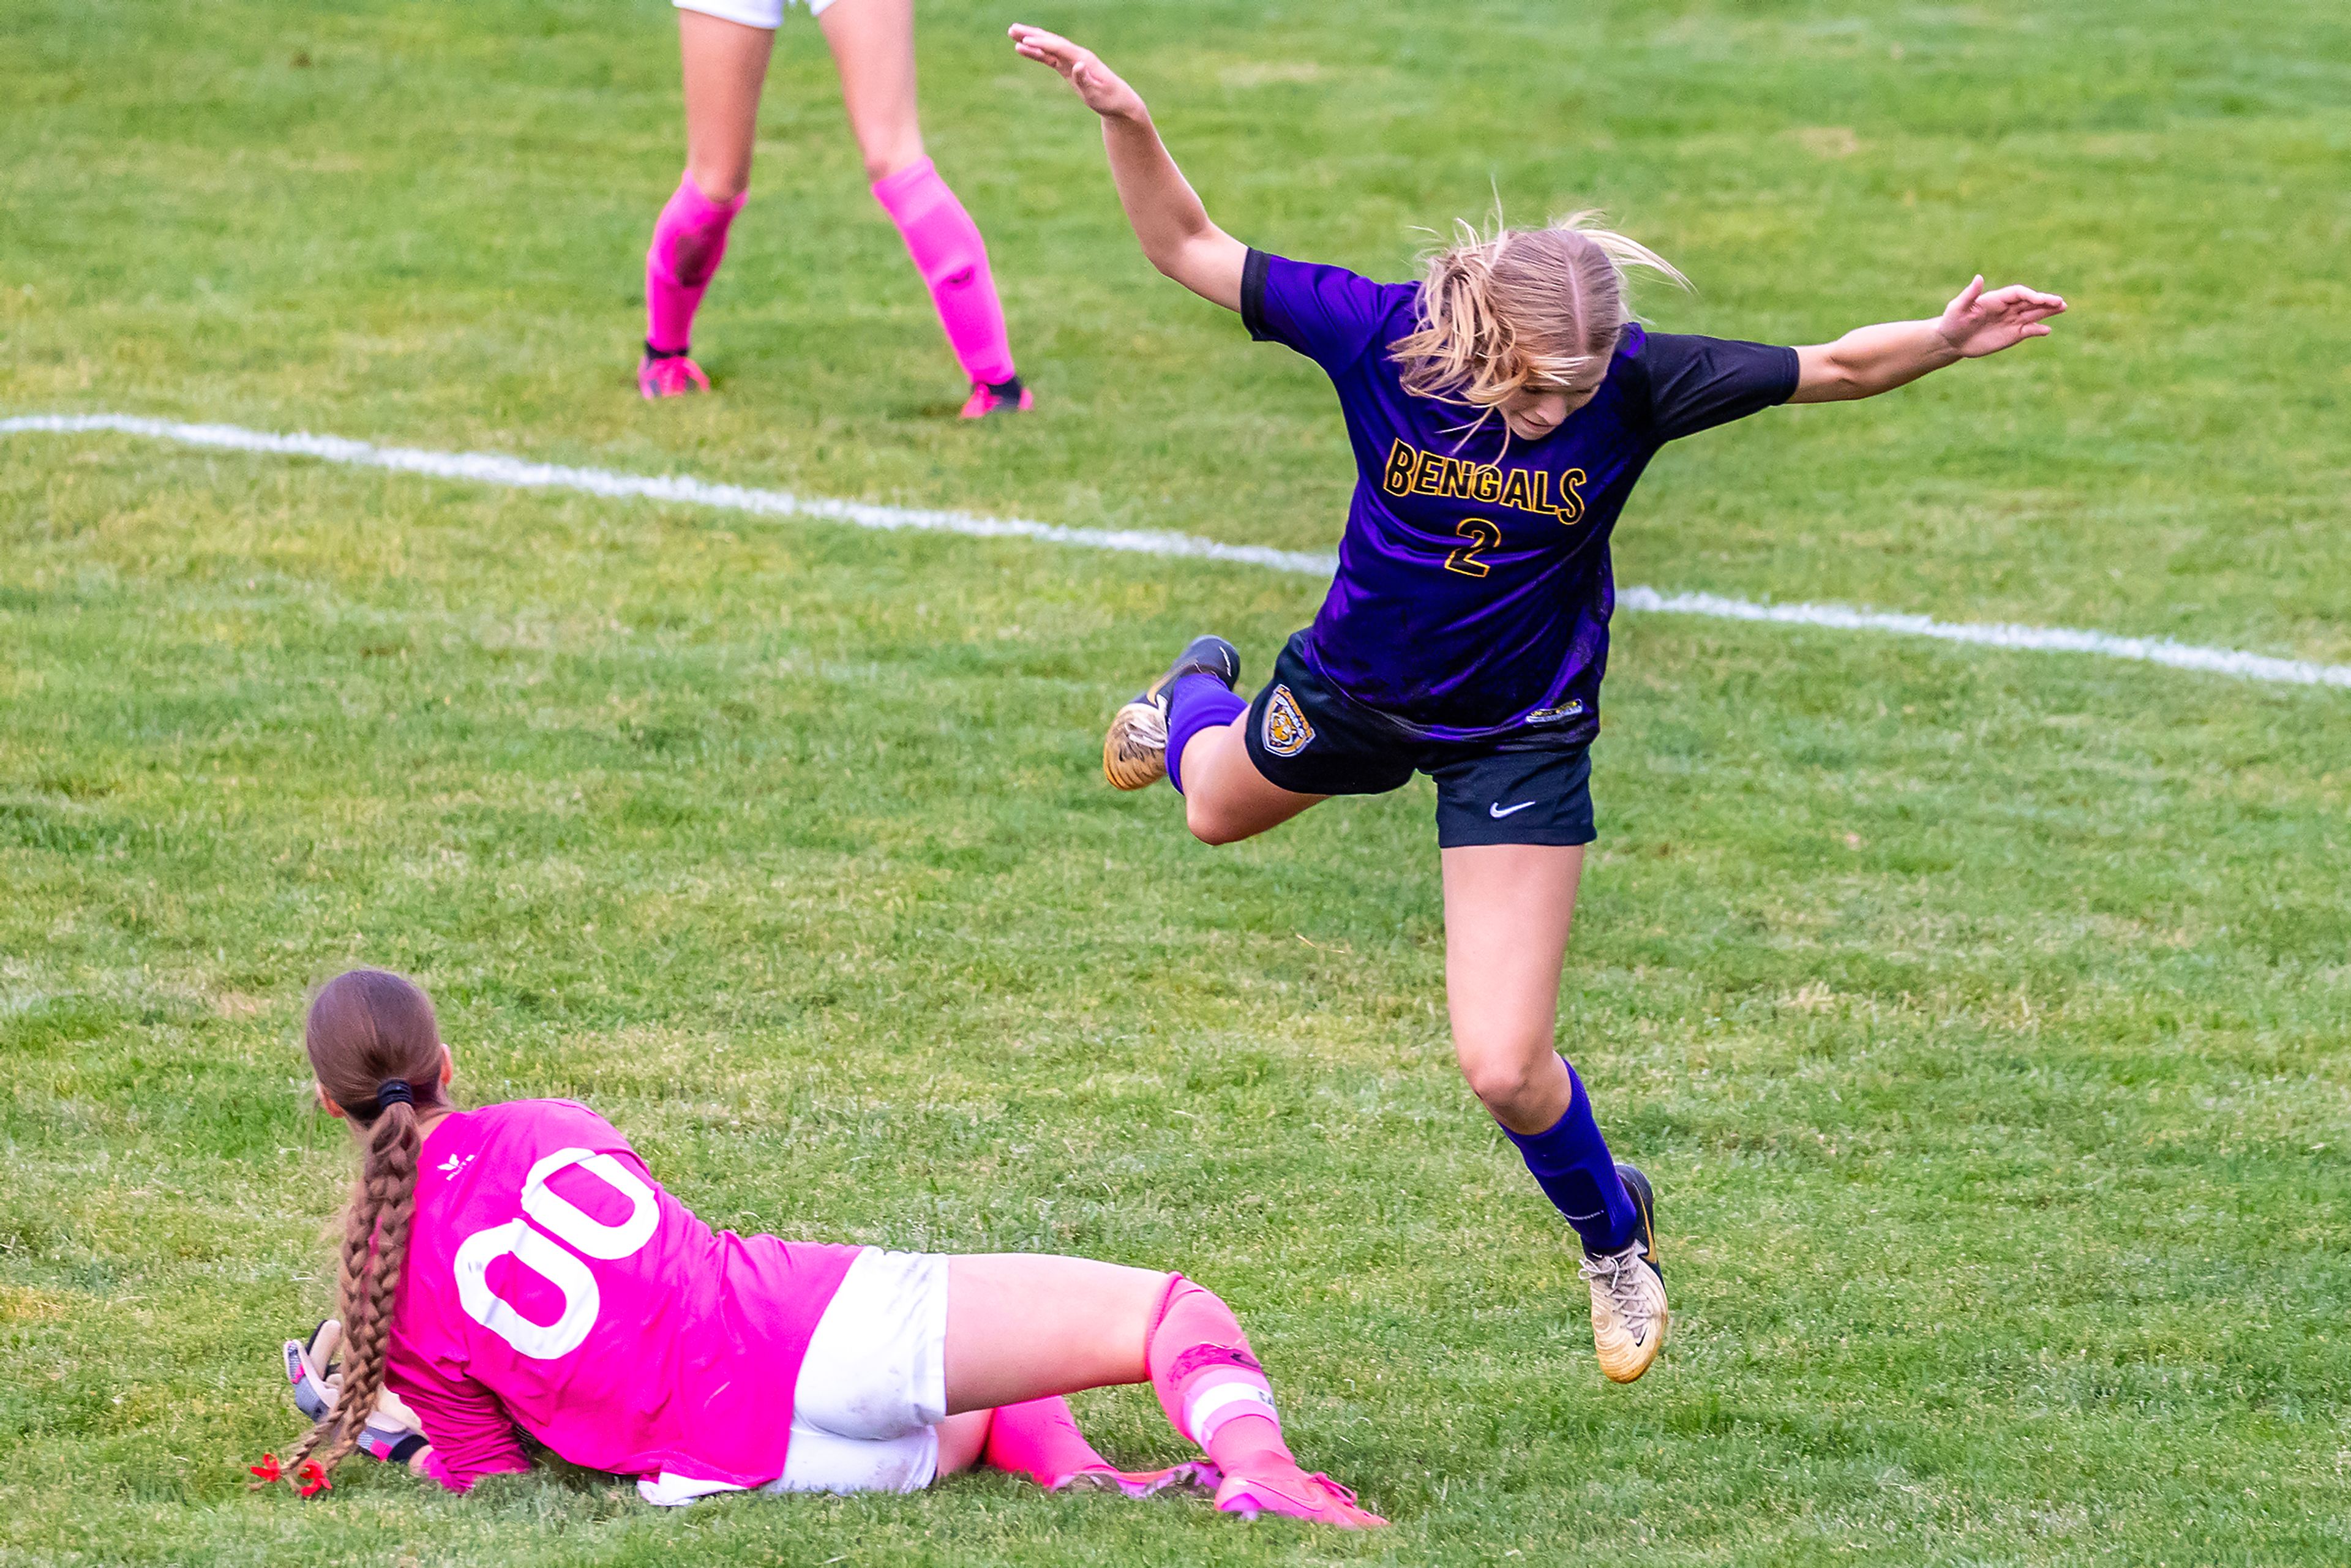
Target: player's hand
(1977, 323)
(1095, 82)
(392, 1433)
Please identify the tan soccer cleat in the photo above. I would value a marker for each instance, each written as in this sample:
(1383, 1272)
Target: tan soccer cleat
(1628, 1311)
(1629, 1315)
(1135, 751)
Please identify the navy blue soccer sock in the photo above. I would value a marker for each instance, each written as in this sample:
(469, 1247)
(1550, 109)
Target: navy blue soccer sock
(1196, 701)
(1572, 1164)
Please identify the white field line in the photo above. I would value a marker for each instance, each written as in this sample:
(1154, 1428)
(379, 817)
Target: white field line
(514, 472)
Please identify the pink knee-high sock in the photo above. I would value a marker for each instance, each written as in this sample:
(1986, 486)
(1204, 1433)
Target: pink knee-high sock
(689, 238)
(1209, 1382)
(1040, 1439)
(952, 259)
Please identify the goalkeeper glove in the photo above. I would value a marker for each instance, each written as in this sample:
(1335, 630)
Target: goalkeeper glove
(392, 1433)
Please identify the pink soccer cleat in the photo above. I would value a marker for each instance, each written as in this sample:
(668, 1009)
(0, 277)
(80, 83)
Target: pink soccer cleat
(1197, 1476)
(669, 373)
(1004, 397)
(1316, 1499)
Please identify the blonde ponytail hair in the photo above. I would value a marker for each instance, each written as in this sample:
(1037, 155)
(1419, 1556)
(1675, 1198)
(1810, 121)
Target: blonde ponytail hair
(368, 1030)
(1522, 309)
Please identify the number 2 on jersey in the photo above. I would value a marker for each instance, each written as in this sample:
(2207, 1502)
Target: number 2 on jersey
(1481, 534)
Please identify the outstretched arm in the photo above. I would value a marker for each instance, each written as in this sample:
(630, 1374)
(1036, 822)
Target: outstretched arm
(1167, 216)
(1872, 359)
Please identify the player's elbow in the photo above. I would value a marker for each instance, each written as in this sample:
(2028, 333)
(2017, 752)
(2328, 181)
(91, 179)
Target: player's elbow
(1834, 382)
(1190, 258)
(1178, 260)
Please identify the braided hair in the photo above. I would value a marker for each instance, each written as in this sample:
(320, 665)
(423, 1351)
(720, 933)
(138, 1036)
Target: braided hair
(375, 1048)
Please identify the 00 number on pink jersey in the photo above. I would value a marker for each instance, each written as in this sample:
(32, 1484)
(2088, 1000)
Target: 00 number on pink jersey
(570, 1276)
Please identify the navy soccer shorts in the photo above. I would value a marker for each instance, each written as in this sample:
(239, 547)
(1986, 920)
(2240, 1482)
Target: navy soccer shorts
(1306, 735)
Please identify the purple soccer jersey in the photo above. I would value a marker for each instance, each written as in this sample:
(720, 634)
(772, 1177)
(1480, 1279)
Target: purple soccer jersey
(1473, 592)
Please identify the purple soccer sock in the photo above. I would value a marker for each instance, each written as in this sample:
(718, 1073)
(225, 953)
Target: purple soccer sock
(1197, 701)
(1572, 1164)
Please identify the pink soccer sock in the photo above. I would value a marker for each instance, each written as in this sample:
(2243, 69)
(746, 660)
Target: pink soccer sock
(688, 241)
(952, 259)
(1039, 1439)
(1209, 1382)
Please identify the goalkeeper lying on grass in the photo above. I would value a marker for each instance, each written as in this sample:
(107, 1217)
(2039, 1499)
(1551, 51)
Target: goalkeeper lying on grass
(517, 1265)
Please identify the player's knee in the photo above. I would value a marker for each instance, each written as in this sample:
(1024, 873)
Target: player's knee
(1208, 824)
(721, 180)
(1504, 1081)
(887, 156)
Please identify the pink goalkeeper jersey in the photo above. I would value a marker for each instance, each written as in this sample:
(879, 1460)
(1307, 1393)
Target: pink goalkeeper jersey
(552, 1285)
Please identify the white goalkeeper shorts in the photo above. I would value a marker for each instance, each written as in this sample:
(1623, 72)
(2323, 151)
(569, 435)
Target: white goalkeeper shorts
(873, 1388)
(766, 14)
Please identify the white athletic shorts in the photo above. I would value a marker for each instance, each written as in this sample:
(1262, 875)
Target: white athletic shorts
(768, 14)
(872, 1391)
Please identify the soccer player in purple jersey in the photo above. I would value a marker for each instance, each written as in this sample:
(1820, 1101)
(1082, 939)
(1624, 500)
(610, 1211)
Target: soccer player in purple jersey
(1501, 412)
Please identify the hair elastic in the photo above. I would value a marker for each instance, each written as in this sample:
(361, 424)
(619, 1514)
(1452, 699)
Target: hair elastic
(394, 1092)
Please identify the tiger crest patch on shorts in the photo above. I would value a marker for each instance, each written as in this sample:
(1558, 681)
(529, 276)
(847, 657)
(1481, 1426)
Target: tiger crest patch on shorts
(1286, 729)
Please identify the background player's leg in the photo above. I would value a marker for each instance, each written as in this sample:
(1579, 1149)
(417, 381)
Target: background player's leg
(873, 44)
(1226, 799)
(726, 63)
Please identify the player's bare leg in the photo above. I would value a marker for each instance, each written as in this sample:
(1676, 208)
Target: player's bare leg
(1508, 912)
(873, 44)
(725, 68)
(1024, 1325)
(1190, 727)
(963, 1439)
(724, 65)
(1226, 799)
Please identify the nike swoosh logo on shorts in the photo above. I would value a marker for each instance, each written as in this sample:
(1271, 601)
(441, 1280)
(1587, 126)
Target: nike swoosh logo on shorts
(1498, 811)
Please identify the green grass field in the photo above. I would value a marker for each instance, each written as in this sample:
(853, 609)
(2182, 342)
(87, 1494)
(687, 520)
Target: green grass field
(1980, 1015)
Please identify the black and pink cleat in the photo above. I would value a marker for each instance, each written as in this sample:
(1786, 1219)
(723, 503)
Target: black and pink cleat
(669, 373)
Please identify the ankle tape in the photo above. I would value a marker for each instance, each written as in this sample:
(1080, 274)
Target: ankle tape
(1207, 1411)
